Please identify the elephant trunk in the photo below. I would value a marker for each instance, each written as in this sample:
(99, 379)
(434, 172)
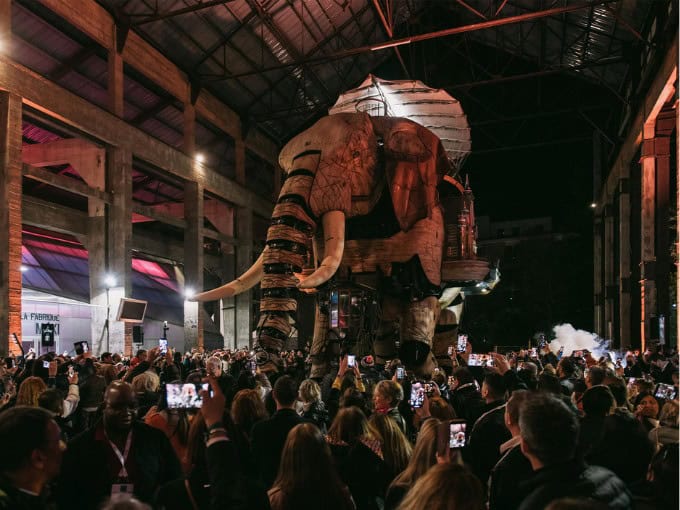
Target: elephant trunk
(285, 253)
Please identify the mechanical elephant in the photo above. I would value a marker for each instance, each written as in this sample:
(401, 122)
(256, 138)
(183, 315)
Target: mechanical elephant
(347, 176)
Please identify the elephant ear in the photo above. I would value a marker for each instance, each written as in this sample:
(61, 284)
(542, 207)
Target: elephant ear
(415, 163)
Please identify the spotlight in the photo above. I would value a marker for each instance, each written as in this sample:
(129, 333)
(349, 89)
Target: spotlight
(23, 268)
(593, 205)
(189, 293)
(200, 158)
(109, 281)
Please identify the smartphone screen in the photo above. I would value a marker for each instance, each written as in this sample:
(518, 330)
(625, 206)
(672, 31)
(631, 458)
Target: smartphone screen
(449, 351)
(533, 353)
(665, 391)
(163, 345)
(46, 364)
(429, 389)
(252, 364)
(351, 360)
(480, 360)
(400, 372)
(462, 343)
(184, 396)
(9, 362)
(417, 394)
(71, 372)
(81, 347)
(457, 434)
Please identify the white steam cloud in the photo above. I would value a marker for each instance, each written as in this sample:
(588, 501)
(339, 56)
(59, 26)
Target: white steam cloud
(575, 340)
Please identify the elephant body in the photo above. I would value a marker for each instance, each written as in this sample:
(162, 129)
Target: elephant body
(356, 170)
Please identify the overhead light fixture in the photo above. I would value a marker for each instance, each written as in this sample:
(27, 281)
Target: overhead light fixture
(23, 268)
(110, 281)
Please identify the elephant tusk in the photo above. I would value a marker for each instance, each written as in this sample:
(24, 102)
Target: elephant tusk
(244, 282)
(334, 233)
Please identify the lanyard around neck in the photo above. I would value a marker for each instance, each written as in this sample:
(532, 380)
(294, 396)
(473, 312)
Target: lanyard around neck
(122, 457)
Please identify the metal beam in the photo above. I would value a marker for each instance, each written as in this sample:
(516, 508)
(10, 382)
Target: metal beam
(390, 33)
(529, 16)
(177, 12)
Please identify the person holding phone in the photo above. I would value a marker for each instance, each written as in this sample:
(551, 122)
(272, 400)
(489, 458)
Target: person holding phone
(120, 455)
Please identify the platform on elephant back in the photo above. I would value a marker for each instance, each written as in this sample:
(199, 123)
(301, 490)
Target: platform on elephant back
(465, 271)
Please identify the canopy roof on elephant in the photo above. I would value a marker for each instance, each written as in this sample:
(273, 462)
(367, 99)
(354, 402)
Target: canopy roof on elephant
(432, 108)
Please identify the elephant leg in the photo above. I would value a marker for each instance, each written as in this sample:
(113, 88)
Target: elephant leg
(417, 325)
(384, 346)
(318, 352)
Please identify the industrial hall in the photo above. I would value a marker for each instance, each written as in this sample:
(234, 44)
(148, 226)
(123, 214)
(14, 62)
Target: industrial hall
(364, 254)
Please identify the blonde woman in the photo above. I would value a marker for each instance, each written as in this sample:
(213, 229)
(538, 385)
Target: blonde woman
(395, 446)
(445, 487)
(423, 458)
(667, 431)
(312, 408)
(30, 390)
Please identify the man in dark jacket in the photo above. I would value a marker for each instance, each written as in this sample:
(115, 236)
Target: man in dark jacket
(549, 432)
(118, 456)
(31, 455)
(513, 467)
(269, 436)
(489, 431)
(464, 396)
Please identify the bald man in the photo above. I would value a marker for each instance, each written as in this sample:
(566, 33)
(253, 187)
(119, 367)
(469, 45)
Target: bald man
(116, 457)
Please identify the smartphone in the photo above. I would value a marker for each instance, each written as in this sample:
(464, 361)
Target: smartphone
(461, 345)
(71, 371)
(451, 381)
(46, 364)
(400, 373)
(533, 353)
(480, 360)
(81, 347)
(9, 362)
(665, 391)
(449, 351)
(351, 359)
(252, 365)
(429, 389)
(417, 394)
(163, 345)
(450, 436)
(185, 396)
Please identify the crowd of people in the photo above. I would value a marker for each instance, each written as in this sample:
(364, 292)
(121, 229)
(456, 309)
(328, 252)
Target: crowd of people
(528, 430)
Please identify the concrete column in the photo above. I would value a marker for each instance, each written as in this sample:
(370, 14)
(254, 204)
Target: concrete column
(608, 270)
(244, 259)
(119, 240)
(193, 263)
(624, 249)
(240, 161)
(115, 82)
(189, 141)
(228, 305)
(10, 219)
(598, 287)
(5, 25)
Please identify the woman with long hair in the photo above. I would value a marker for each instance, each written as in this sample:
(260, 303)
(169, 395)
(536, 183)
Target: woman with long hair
(174, 423)
(246, 410)
(423, 458)
(395, 446)
(30, 390)
(352, 446)
(445, 487)
(307, 477)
